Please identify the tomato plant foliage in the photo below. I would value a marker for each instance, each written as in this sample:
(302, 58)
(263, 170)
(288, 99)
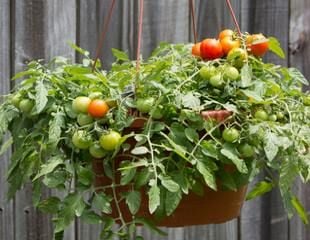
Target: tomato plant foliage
(175, 152)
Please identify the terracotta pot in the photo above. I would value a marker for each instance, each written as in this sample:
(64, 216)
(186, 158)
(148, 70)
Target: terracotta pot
(213, 207)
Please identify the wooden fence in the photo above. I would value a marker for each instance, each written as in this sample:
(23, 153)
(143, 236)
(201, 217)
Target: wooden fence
(41, 29)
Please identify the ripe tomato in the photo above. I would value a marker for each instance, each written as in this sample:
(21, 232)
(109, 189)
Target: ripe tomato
(97, 151)
(207, 72)
(246, 150)
(261, 115)
(230, 134)
(81, 139)
(211, 48)
(226, 33)
(98, 108)
(237, 57)
(228, 43)
(80, 104)
(145, 105)
(231, 73)
(216, 81)
(196, 50)
(257, 44)
(110, 141)
(95, 95)
(26, 105)
(84, 119)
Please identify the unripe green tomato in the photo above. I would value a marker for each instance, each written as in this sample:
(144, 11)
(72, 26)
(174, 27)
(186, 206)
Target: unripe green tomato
(246, 150)
(158, 112)
(273, 117)
(26, 105)
(230, 134)
(97, 151)
(80, 104)
(15, 100)
(261, 115)
(84, 119)
(207, 72)
(95, 95)
(306, 100)
(110, 141)
(216, 81)
(231, 73)
(145, 105)
(81, 139)
(280, 115)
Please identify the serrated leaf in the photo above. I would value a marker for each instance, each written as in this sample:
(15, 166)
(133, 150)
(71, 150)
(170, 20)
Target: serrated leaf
(207, 175)
(91, 217)
(85, 176)
(139, 150)
(301, 211)
(55, 126)
(190, 101)
(172, 201)
(127, 175)
(41, 96)
(142, 178)
(270, 146)
(5, 146)
(253, 95)
(102, 202)
(154, 198)
(150, 225)
(191, 135)
(169, 184)
(229, 152)
(120, 55)
(298, 76)
(49, 167)
(246, 76)
(78, 49)
(275, 47)
(259, 189)
(133, 200)
(7, 114)
(49, 205)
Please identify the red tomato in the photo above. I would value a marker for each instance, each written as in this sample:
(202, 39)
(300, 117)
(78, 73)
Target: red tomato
(211, 48)
(257, 44)
(226, 33)
(217, 115)
(98, 108)
(228, 43)
(196, 50)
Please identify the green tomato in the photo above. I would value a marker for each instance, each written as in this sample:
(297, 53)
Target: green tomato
(216, 81)
(246, 150)
(306, 100)
(95, 95)
(280, 115)
(207, 72)
(144, 105)
(231, 73)
(237, 57)
(15, 100)
(26, 105)
(80, 104)
(110, 141)
(97, 151)
(84, 119)
(273, 117)
(158, 112)
(81, 139)
(261, 115)
(230, 134)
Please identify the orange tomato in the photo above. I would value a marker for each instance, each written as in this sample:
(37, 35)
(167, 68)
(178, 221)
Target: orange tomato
(257, 44)
(98, 108)
(196, 50)
(226, 33)
(228, 43)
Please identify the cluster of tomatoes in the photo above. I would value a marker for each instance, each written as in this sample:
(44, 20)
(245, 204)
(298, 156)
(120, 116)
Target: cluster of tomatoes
(88, 109)
(231, 45)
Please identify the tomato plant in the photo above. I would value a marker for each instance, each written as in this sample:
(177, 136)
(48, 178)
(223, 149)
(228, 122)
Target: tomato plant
(98, 108)
(26, 105)
(95, 95)
(257, 44)
(97, 151)
(231, 73)
(81, 139)
(211, 48)
(84, 119)
(80, 104)
(230, 134)
(261, 115)
(216, 81)
(246, 150)
(145, 105)
(206, 72)
(110, 140)
(16, 99)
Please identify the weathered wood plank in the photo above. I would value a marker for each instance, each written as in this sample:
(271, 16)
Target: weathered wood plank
(41, 30)
(6, 208)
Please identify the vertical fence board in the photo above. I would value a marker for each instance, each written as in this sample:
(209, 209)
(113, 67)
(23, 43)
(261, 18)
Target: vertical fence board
(299, 52)
(6, 208)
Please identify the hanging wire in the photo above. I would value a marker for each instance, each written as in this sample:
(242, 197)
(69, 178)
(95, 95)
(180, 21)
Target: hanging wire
(103, 34)
(233, 15)
(193, 17)
(140, 25)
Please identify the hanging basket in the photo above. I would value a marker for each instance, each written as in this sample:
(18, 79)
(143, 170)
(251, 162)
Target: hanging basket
(213, 207)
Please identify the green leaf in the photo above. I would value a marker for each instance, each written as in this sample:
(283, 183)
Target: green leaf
(49, 205)
(78, 49)
(207, 174)
(154, 198)
(300, 210)
(120, 55)
(298, 76)
(41, 96)
(190, 101)
(139, 150)
(253, 95)
(246, 76)
(142, 178)
(260, 189)
(91, 217)
(7, 114)
(50, 166)
(191, 135)
(270, 145)
(133, 200)
(231, 154)
(127, 175)
(102, 202)
(55, 126)
(172, 201)
(275, 47)
(85, 176)
(147, 223)
(169, 184)
(6, 145)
